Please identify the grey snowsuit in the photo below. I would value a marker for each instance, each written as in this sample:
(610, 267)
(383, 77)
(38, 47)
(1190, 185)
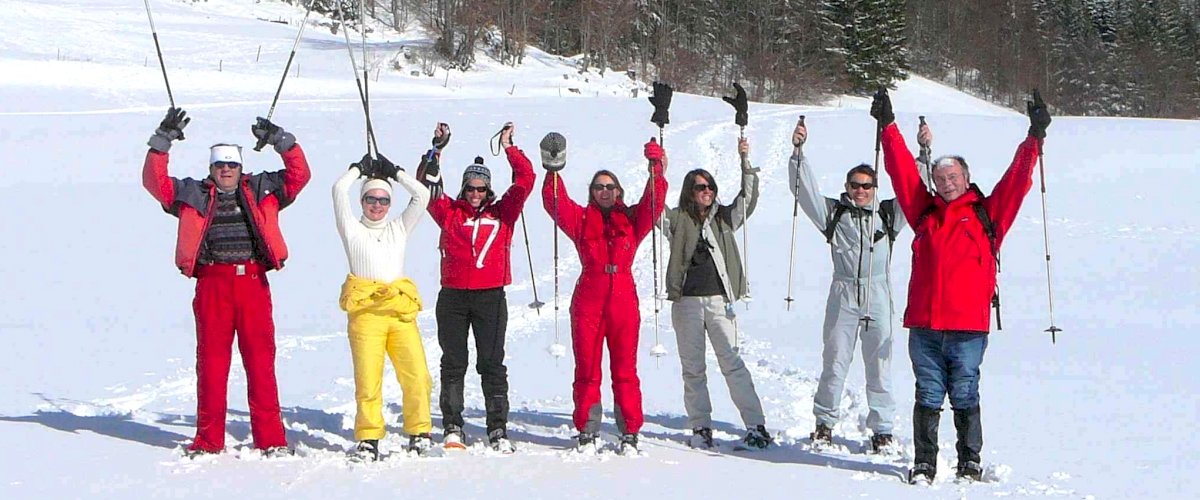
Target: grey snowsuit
(693, 317)
(851, 252)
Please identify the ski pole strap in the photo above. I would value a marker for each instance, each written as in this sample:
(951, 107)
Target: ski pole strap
(494, 143)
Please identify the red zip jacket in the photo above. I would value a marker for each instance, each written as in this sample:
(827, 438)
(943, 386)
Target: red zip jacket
(475, 244)
(953, 270)
(191, 200)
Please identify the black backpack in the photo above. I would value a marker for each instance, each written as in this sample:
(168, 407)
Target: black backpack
(887, 212)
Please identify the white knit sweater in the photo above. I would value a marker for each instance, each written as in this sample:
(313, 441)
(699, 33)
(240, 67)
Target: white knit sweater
(376, 249)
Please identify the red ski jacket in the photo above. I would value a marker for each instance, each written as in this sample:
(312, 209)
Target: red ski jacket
(606, 245)
(953, 268)
(191, 200)
(476, 243)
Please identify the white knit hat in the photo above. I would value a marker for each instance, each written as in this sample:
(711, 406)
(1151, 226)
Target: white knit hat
(230, 153)
(376, 184)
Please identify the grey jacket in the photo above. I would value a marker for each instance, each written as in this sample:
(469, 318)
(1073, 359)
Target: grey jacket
(850, 240)
(718, 228)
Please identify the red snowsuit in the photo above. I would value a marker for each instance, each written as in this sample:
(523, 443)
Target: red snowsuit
(605, 302)
(953, 271)
(475, 246)
(231, 297)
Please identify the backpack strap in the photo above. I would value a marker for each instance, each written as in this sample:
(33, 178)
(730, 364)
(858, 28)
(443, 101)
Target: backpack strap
(831, 225)
(887, 213)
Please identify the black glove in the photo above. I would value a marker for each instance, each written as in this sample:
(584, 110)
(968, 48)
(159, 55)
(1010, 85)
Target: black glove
(881, 108)
(739, 105)
(169, 130)
(270, 133)
(662, 104)
(428, 171)
(367, 166)
(1039, 115)
(384, 168)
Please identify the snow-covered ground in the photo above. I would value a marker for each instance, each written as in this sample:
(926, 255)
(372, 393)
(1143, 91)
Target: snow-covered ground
(97, 333)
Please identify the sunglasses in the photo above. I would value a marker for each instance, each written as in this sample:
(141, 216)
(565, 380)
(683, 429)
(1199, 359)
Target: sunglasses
(700, 188)
(226, 165)
(475, 189)
(860, 185)
(604, 187)
(377, 200)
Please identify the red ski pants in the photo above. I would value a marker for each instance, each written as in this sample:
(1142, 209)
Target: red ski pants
(609, 314)
(235, 298)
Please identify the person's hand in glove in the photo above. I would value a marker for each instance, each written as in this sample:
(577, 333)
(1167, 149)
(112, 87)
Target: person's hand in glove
(169, 130)
(441, 136)
(740, 105)
(1039, 115)
(662, 104)
(881, 108)
(366, 167)
(655, 153)
(800, 135)
(270, 133)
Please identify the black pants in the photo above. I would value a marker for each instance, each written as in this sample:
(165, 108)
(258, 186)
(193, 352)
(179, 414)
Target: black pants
(486, 313)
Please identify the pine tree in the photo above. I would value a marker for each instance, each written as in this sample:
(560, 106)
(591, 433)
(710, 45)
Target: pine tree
(870, 41)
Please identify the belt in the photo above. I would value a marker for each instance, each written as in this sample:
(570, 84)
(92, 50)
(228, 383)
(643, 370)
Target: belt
(606, 269)
(251, 268)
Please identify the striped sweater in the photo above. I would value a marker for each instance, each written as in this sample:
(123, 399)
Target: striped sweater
(375, 249)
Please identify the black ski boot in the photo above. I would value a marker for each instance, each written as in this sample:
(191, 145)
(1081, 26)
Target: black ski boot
(366, 451)
(629, 445)
(882, 443)
(498, 439)
(758, 438)
(969, 427)
(925, 442)
(421, 444)
(587, 442)
(701, 439)
(822, 436)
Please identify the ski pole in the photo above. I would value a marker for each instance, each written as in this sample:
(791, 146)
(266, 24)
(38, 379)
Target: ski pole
(158, 50)
(792, 250)
(557, 349)
(536, 304)
(358, 81)
(745, 238)
(657, 350)
(927, 154)
(271, 112)
(1053, 330)
(866, 318)
(373, 148)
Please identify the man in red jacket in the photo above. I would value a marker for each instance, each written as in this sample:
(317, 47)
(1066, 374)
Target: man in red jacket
(477, 230)
(604, 305)
(957, 237)
(228, 239)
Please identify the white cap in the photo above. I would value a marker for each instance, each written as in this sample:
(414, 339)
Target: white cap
(377, 184)
(231, 153)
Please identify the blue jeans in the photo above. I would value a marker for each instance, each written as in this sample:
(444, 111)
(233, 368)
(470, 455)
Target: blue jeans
(946, 362)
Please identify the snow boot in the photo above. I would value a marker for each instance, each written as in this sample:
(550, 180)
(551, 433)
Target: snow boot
(498, 438)
(193, 454)
(822, 436)
(366, 451)
(969, 427)
(278, 452)
(925, 440)
(453, 438)
(701, 438)
(970, 470)
(420, 444)
(758, 438)
(587, 442)
(922, 473)
(882, 443)
(629, 445)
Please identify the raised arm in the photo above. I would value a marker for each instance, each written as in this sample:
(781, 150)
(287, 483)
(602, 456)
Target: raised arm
(416, 205)
(803, 182)
(567, 214)
(911, 194)
(513, 201)
(343, 216)
(747, 198)
(1005, 201)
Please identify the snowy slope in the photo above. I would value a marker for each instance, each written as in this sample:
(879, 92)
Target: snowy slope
(98, 340)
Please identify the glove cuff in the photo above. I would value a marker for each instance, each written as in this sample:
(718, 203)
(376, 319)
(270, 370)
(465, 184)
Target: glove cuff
(159, 142)
(285, 142)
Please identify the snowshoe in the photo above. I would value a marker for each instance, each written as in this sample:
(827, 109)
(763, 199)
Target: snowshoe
(922, 474)
(366, 451)
(629, 445)
(420, 444)
(701, 439)
(453, 438)
(970, 470)
(757, 438)
(498, 439)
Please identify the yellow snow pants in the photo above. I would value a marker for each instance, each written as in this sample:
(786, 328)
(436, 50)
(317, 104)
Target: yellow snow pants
(382, 321)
